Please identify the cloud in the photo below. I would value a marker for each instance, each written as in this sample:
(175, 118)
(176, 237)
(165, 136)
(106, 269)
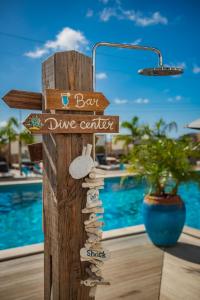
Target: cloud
(141, 101)
(101, 76)
(37, 53)
(137, 41)
(175, 99)
(66, 39)
(137, 17)
(178, 65)
(89, 13)
(107, 13)
(196, 69)
(120, 101)
(3, 123)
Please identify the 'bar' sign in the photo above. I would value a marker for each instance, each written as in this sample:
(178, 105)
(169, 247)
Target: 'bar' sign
(75, 100)
(61, 123)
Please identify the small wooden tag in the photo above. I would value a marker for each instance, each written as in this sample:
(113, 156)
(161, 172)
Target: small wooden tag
(102, 255)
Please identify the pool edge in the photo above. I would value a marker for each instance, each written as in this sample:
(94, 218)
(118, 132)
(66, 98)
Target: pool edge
(12, 253)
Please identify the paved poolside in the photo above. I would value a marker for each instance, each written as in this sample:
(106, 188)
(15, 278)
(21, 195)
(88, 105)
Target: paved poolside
(137, 269)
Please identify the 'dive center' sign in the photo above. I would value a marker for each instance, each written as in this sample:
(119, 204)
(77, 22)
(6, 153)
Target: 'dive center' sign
(75, 100)
(60, 123)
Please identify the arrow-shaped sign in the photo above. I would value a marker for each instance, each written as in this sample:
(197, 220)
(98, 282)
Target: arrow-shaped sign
(23, 99)
(61, 123)
(75, 100)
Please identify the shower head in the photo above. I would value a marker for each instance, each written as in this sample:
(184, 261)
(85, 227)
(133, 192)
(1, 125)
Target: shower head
(161, 71)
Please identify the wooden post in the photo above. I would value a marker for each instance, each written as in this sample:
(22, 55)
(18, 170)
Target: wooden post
(62, 195)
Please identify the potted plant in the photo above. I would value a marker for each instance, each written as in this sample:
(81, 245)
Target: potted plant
(164, 163)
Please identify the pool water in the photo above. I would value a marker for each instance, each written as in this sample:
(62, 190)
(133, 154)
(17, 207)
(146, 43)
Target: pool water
(21, 209)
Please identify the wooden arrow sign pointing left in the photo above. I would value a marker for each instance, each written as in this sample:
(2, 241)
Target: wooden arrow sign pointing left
(75, 100)
(61, 123)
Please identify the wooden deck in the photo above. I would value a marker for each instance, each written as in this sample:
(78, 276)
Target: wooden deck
(137, 270)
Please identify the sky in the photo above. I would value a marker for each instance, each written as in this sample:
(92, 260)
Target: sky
(31, 31)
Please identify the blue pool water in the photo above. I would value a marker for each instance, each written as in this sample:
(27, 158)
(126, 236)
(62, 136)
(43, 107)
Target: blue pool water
(21, 209)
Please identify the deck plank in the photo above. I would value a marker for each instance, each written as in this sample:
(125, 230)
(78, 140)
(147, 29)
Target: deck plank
(181, 270)
(135, 271)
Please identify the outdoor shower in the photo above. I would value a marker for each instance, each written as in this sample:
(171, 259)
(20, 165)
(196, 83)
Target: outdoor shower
(161, 70)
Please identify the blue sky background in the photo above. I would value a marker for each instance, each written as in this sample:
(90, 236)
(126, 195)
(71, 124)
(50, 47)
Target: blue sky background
(30, 31)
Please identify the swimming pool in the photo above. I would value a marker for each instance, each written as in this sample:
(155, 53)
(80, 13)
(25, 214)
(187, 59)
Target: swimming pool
(21, 209)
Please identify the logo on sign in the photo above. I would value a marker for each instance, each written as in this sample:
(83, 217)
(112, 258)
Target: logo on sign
(65, 99)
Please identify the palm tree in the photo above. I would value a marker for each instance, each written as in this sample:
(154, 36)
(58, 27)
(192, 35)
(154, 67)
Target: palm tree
(161, 128)
(25, 137)
(135, 132)
(8, 134)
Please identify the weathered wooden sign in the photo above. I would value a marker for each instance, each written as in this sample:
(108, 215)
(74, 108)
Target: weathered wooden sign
(23, 99)
(60, 123)
(35, 152)
(75, 100)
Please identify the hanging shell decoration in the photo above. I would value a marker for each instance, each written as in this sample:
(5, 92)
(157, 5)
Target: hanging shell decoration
(93, 252)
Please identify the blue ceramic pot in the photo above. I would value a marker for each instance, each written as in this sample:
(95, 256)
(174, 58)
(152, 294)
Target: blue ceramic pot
(164, 218)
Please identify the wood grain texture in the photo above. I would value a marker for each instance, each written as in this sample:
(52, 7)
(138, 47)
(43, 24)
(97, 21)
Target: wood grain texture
(78, 100)
(134, 270)
(60, 123)
(23, 100)
(181, 271)
(35, 152)
(63, 196)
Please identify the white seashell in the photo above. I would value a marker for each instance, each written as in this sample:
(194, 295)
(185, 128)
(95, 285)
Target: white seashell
(82, 165)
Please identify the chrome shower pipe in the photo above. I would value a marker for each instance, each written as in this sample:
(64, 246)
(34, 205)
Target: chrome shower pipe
(119, 45)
